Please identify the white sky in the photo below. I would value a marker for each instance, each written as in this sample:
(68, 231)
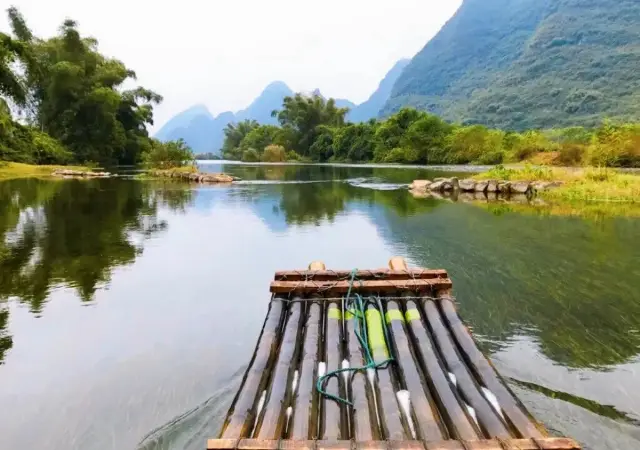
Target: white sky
(223, 53)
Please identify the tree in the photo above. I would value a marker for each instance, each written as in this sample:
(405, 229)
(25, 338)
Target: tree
(234, 134)
(74, 93)
(168, 155)
(305, 114)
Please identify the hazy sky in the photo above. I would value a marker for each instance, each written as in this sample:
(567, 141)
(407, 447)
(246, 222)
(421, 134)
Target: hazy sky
(223, 53)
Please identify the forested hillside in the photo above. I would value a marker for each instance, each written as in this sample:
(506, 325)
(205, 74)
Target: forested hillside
(521, 64)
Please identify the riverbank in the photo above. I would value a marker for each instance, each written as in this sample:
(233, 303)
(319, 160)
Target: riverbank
(10, 170)
(574, 184)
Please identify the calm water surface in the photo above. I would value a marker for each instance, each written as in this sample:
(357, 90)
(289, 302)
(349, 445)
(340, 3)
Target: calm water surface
(129, 310)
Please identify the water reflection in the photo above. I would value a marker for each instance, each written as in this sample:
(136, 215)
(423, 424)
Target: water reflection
(552, 297)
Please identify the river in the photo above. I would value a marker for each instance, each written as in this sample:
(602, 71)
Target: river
(129, 309)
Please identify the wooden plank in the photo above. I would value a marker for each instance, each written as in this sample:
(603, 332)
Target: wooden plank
(258, 444)
(333, 445)
(373, 286)
(305, 412)
(272, 422)
(547, 443)
(241, 416)
(484, 371)
(487, 416)
(457, 419)
(222, 444)
(427, 419)
(335, 275)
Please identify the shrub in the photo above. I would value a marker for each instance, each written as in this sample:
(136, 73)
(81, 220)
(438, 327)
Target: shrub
(168, 155)
(293, 156)
(250, 155)
(570, 153)
(274, 153)
(400, 155)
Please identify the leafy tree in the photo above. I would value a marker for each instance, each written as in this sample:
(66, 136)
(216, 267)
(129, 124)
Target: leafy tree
(74, 93)
(305, 114)
(234, 134)
(168, 155)
(260, 137)
(274, 153)
(250, 155)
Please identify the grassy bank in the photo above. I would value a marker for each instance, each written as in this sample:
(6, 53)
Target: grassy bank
(579, 184)
(9, 170)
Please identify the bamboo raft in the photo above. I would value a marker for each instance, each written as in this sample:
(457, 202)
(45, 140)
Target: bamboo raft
(438, 393)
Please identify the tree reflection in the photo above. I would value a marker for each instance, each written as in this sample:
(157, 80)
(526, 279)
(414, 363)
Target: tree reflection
(73, 233)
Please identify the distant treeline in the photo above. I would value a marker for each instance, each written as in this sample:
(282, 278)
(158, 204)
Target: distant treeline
(314, 129)
(71, 102)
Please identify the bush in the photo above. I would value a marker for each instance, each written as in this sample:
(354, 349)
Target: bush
(400, 155)
(293, 156)
(168, 155)
(274, 153)
(250, 155)
(570, 154)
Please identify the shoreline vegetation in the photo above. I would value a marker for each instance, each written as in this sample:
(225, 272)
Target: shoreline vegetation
(71, 109)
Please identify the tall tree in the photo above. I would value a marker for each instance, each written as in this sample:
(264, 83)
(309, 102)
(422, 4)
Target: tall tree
(305, 114)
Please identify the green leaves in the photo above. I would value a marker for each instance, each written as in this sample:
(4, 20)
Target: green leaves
(71, 91)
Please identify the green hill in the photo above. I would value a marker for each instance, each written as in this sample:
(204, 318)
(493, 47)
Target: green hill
(529, 64)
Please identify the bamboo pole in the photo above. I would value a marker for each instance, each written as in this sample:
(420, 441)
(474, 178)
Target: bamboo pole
(305, 415)
(333, 422)
(486, 415)
(484, 371)
(273, 421)
(457, 420)
(335, 275)
(364, 422)
(371, 286)
(428, 425)
(241, 416)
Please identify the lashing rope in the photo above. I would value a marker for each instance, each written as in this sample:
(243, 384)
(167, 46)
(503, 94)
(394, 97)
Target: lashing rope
(356, 306)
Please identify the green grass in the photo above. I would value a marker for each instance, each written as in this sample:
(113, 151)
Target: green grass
(10, 170)
(580, 184)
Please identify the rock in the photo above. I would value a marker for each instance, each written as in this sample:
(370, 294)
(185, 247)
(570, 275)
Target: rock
(481, 186)
(419, 185)
(467, 185)
(540, 186)
(436, 185)
(193, 177)
(419, 193)
(504, 187)
(492, 186)
(455, 183)
(520, 187)
(447, 185)
(439, 179)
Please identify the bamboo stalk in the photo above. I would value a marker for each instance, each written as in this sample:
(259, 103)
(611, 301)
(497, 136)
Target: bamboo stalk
(428, 423)
(486, 415)
(272, 423)
(484, 371)
(341, 287)
(305, 418)
(241, 416)
(457, 420)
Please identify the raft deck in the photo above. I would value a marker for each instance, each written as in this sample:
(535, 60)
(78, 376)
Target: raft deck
(439, 392)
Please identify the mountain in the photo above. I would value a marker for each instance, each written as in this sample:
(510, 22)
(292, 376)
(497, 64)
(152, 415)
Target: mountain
(271, 98)
(182, 120)
(371, 108)
(520, 64)
(204, 133)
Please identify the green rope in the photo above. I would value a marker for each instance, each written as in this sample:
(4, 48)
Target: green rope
(356, 306)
